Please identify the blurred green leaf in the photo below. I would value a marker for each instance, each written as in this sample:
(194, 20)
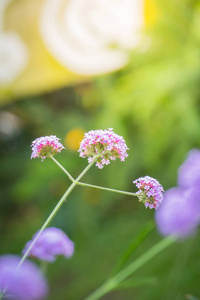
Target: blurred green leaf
(143, 281)
(136, 242)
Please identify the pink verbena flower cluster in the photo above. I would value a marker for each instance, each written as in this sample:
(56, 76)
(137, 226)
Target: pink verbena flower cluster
(105, 143)
(150, 191)
(46, 146)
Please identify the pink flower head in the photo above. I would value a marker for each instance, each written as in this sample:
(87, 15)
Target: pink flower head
(52, 242)
(46, 146)
(105, 143)
(150, 191)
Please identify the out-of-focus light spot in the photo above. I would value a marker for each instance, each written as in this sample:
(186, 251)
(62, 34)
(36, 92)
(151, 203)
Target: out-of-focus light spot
(79, 33)
(13, 57)
(9, 124)
(73, 138)
(151, 12)
(13, 51)
(64, 42)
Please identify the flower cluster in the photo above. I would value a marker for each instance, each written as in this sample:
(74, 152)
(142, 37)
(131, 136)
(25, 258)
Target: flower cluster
(180, 213)
(189, 171)
(46, 146)
(52, 242)
(103, 143)
(24, 283)
(150, 191)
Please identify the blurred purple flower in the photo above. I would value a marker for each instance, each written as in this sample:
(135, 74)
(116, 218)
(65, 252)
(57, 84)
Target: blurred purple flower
(189, 171)
(179, 214)
(26, 283)
(150, 191)
(52, 242)
(105, 143)
(46, 146)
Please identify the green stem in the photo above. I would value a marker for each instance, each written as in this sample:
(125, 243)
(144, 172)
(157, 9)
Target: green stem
(43, 266)
(64, 170)
(2, 293)
(91, 185)
(137, 241)
(55, 210)
(130, 269)
(107, 189)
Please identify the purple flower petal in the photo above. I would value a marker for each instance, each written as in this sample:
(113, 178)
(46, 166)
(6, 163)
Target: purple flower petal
(189, 171)
(52, 242)
(180, 212)
(26, 283)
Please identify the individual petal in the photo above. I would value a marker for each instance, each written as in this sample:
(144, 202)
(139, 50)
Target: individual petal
(25, 283)
(51, 243)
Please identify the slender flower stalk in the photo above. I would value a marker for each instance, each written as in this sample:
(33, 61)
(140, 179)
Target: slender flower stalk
(91, 185)
(100, 147)
(107, 189)
(130, 269)
(62, 168)
(55, 210)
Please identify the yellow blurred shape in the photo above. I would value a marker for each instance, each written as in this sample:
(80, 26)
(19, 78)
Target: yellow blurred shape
(151, 12)
(73, 138)
(48, 44)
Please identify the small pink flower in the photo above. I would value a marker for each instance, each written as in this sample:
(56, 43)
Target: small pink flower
(150, 191)
(46, 146)
(105, 143)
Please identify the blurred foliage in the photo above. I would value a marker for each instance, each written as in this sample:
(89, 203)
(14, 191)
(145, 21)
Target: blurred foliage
(154, 103)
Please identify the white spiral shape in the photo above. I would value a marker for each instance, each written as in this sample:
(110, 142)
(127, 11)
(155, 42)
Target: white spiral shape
(91, 37)
(13, 51)
(13, 57)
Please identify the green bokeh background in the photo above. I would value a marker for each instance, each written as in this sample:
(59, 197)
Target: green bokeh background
(154, 103)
